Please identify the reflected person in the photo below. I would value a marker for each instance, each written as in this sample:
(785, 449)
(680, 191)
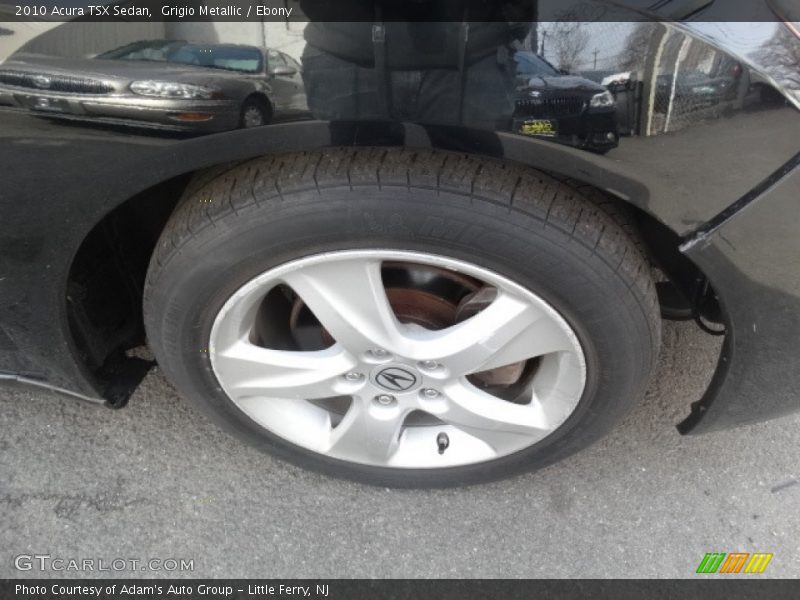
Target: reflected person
(408, 65)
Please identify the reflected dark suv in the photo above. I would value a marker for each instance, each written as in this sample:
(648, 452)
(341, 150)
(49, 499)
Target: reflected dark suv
(568, 109)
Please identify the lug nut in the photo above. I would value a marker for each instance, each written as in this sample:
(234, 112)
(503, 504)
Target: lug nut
(385, 400)
(378, 354)
(353, 376)
(430, 393)
(430, 365)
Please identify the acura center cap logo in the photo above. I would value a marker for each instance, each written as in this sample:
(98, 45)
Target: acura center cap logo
(396, 379)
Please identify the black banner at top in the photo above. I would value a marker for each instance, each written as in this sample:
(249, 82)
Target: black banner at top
(400, 10)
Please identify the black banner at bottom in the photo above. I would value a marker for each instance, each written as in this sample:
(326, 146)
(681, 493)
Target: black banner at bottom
(400, 589)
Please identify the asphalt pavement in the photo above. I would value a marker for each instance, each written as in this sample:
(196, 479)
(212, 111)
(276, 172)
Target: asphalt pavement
(156, 480)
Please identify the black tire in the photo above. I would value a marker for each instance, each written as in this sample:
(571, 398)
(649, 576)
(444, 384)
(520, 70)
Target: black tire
(255, 106)
(521, 223)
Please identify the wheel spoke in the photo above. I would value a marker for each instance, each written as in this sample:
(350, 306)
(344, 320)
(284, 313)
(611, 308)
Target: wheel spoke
(506, 331)
(367, 433)
(250, 370)
(495, 421)
(540, 337)
(348, 298)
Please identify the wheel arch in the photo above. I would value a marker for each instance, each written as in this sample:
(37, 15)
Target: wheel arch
(146, 209)
(261, 97)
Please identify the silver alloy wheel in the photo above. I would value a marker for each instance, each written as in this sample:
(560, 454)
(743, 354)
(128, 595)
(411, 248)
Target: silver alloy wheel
(389, 369)
(253, 117)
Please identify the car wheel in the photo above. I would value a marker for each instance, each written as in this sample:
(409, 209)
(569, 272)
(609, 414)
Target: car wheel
(402, 318)
(255, 113)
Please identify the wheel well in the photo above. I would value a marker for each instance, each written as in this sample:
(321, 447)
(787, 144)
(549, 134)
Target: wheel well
(260, 98)
(106, 278)
(105, 283)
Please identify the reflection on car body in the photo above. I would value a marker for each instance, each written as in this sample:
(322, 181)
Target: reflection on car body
(165, 84)
(569, 109)
(695, 89)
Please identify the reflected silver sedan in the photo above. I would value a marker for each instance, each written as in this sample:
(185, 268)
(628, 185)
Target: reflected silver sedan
(164, 84)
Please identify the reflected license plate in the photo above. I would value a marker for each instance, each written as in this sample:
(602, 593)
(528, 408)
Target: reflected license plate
(47, 104)
(545, 127)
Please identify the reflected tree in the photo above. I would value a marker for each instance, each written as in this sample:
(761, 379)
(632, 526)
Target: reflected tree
(569, 41)
(632, 57)
(782, 53)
